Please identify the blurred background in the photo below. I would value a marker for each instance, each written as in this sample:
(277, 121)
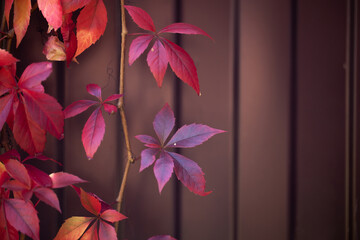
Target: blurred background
(280, 77)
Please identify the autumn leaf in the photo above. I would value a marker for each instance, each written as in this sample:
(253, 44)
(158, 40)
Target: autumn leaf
(91, 24)
(141, 18)
(54, 49)
(186, 170)
(52, 11)
(73, 228)
(69, 37)
(73, 5)
(63, 179)
(6, 58)
(162, 237)
(22, 9)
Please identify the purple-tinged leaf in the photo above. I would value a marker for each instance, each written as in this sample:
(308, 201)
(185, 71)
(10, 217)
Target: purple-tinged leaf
(113, 97)
(157, 61)
(48, 196)
(23, 217)
(148, 157)
(63, 179)
(148, 140)
(184, 28)
(12, 154)
(182, 64)
(109, 108)
(112, 216)
(162, 237)
(106, 231)
(93, 133)
(192, 135)
(38, 176)
(138, 46)
(163, 170)
(33, 75)
(78, 107)
(164, 123)
(94, 90)
(6, 103)
(18, 171)
(189, 173)
(141, 18)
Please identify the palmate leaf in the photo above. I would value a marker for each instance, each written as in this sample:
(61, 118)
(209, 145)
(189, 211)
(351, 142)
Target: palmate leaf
(48, 196)
(138, 46)
(141, 18)
(186, 170)
(157, 61)
(73, 228)
(6, 58)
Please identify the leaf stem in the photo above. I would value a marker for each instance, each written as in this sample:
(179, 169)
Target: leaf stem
(130, 157)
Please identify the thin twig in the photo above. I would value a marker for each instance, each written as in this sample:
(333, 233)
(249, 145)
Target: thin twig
(130, 158)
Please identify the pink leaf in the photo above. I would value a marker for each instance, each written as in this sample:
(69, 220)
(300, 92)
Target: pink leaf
(112, 216)
(93, 133)
(138, 46)
(148, 140)
(184, 28)
(8, 5)
(63, 179)
(22, 9)
(94, 90)
(90, 203)
(91, 24)
(23, 217)
(38, 176)
(48, 196)
(7, 81)
(182, 64)
(54, 49)
(163, 170)
(141, 18)
(162, 237)
(113, 97)
(73, 5)
(18, 171)
(52, 11)
(148, 157)
(106, 231)
(78, 107)
(192, 135)
(6, 58)
(109, 108)
(157, 61)
(42, 158)
(189, 173)
(69, 37)
(73, 228)
(92, 232)
(164, 123)
(6, 103)
(33, 75)
(7, 232)
(46, 111)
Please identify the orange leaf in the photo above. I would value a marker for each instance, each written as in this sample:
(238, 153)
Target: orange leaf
(8, 5)
(54, 49)
(22, 9)
(73, 228)
(91, 24)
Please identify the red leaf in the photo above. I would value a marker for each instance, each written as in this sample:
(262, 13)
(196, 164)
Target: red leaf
(5, 57)
(162, 237)
(184, 28)
(15, 185)
(91, 233)
(54, 49)
(4, 176)
(141, 18)
(90, 203)
(164, 123)
(91, 24)
(73, 228)
(93, 133)
(113, 97)
(52, 11)
(182, 64)
(138, 46)
(163, 170)
(148, 157)
(157, 61)
(189, 173)
(48, 196)
(38, 176)
(77, 107)
(22, 216)
(27, 133)
(7, 232)
(8, 5)
(63, 179)
(6, 103)
(106, 231)
(42, 158)
(18, 171)
(22, 10)
(192, 135)
(69, 37)
(110, 109)
(73, 5)
(46, 111)
(33, 75)
(94, 90)
(112, 216)
(13, 154)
